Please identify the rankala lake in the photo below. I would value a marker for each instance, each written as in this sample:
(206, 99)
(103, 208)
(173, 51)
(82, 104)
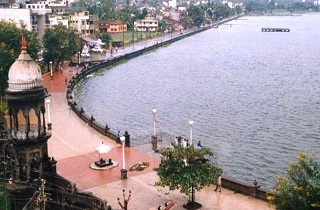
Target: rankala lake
(254, 96)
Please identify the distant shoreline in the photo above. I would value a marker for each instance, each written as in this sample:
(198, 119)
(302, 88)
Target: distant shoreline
(280, 13)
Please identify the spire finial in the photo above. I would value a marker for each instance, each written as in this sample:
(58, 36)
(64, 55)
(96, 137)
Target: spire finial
(23, 42)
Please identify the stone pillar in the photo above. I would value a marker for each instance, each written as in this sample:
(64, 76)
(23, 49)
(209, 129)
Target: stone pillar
(124, 174)
(127, 139)
(53, 165)
(154, 143)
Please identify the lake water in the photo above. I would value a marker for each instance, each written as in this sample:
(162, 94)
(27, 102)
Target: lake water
(254, 96)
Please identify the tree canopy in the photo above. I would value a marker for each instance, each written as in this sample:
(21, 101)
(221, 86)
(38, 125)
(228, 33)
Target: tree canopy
(186, 167)
(300, 188)
(59, 44)
(10, 48)
(196, 14)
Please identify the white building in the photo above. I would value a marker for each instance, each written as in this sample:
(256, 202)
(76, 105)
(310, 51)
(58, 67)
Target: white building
(148, 24)
(84, 23)
(172, 3)
(55, 20)
(35, 17)
(17, 15)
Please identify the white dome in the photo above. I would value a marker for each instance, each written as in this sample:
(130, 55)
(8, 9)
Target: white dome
(24, 73)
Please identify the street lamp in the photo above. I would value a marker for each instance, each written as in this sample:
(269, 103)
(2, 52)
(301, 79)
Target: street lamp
(50, 66)
(154, 121)
(123, 170)
(49, 117)
(191, 123)
(79, 58)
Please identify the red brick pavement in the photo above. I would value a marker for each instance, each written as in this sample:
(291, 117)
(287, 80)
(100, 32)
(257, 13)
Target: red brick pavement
(77, 168)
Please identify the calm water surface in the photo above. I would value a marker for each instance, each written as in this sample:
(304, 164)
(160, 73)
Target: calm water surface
(254, 96)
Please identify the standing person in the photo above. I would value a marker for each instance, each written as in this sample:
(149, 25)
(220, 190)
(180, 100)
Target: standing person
(118, 136)
(218, 185)
(184, 143)
(199, 145)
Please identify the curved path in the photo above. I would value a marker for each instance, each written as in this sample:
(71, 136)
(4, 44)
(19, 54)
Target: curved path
(73, 144)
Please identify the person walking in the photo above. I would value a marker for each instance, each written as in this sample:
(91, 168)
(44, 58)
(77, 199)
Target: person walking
(218, 185)
(118, 137)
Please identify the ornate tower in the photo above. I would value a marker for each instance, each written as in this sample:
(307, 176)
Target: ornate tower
(27, 128)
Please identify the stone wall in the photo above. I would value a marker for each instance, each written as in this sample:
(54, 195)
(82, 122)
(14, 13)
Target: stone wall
(247, 189)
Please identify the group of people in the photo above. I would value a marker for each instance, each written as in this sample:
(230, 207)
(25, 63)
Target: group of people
(185, 142)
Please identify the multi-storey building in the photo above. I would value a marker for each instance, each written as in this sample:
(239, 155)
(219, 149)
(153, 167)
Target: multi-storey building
(147, 24)
(112, 26)
(34, 16)
(84, 23)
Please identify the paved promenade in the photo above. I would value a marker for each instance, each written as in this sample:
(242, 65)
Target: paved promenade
(73, 145)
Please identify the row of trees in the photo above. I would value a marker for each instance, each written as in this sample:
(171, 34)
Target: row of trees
(264, 6)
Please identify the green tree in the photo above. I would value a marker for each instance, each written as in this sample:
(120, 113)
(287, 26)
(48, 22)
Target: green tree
(185, 168)
(300, 188)
(106, 38)
(10, 48)
(143, 13)
(162, 26)
(59, 44)
(108, 9)
(196, 14)
(222, 11)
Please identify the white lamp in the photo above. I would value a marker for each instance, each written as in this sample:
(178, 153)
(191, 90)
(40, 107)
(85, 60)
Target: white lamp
(191, 123)
(154, 121)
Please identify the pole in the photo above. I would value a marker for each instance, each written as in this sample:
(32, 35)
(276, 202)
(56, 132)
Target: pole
(79, 58)
(49, 115)
(154, 121)
(49, 118)
(123, 36)
(122, 139)
(123, 161)
(191, 123)
(50, 66)
(123, 170)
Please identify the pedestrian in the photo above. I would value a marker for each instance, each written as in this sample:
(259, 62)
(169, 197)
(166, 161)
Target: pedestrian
(180, 141)
(199, 145)
(118, 137)
(218, 184)
(184, 143)
(176, 141)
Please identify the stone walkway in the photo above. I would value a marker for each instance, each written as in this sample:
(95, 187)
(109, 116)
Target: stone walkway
(73, 145)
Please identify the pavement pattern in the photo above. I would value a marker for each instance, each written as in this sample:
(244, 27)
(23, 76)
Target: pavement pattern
(73, 145)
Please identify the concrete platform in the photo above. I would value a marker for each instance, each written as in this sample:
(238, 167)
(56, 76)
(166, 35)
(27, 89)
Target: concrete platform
(73, 145)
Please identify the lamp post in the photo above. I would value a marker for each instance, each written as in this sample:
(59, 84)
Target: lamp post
(154, 138)
(50, 66)
(154, 121)
(123, 170)
(49, 117)
(123, 35)
(191, 123)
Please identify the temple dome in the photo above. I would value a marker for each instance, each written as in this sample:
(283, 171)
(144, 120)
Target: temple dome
(24, 73)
